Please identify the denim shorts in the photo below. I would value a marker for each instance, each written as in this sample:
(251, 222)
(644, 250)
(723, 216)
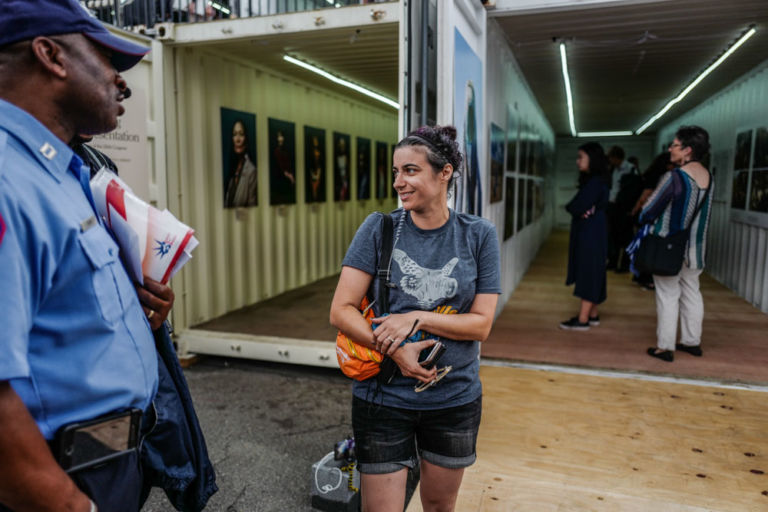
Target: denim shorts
(387, 439)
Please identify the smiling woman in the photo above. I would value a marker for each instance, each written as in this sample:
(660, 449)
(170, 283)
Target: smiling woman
(444, 284)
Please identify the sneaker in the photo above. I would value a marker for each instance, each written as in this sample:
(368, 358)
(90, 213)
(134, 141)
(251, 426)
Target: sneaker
(574, 325)
(594, 321)
(694, 350)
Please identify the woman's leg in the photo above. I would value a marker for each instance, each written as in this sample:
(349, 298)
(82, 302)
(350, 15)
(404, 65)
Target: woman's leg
(667, 289)
(585, 310)
(439, 487)
(691, 307)
(383, 493)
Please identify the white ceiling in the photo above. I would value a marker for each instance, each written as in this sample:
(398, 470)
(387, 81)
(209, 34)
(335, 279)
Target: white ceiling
(627, 59)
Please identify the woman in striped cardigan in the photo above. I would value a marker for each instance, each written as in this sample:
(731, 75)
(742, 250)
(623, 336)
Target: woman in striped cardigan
(670, 209)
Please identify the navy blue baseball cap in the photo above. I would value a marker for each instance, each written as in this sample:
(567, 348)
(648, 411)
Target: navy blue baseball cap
(26, 19)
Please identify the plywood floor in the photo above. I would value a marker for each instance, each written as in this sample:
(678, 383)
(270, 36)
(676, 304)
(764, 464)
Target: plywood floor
(734, 340)
(562, 442)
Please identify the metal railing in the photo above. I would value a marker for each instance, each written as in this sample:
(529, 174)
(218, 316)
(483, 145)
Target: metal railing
(146, 13)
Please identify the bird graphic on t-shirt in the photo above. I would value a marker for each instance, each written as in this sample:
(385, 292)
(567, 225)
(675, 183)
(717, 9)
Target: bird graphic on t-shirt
(427, 285)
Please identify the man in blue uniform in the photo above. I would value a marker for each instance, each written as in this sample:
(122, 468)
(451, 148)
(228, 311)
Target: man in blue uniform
(76, 343)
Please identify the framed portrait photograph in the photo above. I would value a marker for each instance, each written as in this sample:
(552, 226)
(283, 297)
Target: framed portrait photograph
(282, 162)
(743, 150)
(509, 207)
(314, 164)
(497, 163)
(238, 159)
(363, 168)
(383, 171)
(341, 167)
(760, 159)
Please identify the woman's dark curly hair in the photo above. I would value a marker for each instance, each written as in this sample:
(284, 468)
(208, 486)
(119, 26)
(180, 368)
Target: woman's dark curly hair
(440, 143)
(696, 138)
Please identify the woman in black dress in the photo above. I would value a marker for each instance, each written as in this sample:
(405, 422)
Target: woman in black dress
(587, 250)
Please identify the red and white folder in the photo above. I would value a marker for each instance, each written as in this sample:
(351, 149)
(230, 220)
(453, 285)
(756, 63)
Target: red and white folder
(153, 242)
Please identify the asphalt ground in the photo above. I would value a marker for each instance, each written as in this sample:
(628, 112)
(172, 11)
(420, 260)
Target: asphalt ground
(265, 425)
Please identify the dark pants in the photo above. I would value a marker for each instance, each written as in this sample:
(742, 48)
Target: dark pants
(114, 486)
(620, 233)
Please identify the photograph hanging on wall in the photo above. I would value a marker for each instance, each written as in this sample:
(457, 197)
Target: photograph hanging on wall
(524, 148)
(530, 201)
(743, 150)
(512, 136)
(383, 171)
(282, 162)
(539, 207)
(759, 192)
(341, 167)
(520, 201)
(497, 163)
(238, 158)
(760, 160)
(363, 168)
(468, 118)
(739, 191)
(509, 207)
(314, 164)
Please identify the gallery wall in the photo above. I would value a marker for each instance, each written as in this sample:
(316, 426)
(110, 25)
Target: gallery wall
(520, 193)
(737, 243)
(276, 236)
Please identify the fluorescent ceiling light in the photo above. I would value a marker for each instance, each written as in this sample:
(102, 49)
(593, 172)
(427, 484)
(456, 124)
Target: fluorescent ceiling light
(698, 79)
(343, 82)
(605, 134)
(567, 81)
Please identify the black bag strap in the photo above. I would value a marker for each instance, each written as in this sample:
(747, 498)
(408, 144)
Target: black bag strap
(699, 205)
(383, 271)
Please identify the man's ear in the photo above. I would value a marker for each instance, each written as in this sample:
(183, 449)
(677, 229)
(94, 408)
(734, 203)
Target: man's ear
(50, 55)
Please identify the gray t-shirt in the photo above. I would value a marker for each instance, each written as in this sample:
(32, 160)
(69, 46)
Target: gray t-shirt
(438, 270)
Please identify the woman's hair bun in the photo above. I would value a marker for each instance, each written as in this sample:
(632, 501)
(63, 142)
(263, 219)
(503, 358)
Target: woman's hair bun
(447, 131)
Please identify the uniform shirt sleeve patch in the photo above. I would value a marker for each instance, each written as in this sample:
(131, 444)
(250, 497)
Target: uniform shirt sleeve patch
(2, 228)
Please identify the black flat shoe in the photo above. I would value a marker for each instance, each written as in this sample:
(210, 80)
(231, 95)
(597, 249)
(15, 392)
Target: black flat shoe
(664, 355)
(694, 350)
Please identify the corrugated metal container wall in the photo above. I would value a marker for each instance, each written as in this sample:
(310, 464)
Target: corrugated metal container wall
(510, 97)
(250, 254)
(736, 251)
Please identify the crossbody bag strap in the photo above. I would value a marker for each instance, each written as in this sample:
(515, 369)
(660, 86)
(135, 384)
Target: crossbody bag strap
(383, 273)
(700, 204)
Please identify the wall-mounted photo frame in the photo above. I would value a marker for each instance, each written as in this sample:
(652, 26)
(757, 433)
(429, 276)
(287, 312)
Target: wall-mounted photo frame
(238, 158)
(509, 207)
(314, 164)
(497, 163)
(383, 171)
(282, 162)
(341, 167)
(363, 168)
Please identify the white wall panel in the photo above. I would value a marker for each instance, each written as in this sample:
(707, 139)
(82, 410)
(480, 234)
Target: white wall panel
(248, 255)
(737, 251)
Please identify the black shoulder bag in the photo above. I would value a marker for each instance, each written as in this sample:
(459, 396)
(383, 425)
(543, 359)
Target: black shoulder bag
(664, 256)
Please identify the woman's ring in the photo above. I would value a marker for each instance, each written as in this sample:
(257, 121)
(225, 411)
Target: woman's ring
(392, 339)
(150, 314)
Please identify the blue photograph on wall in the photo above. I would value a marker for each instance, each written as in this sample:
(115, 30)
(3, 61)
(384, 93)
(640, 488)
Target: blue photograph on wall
(468, 119)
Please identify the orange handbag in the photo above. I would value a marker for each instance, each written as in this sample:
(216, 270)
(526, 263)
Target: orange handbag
(357, 361)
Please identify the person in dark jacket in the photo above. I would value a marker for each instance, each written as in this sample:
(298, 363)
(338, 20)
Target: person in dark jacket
(587, 249)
